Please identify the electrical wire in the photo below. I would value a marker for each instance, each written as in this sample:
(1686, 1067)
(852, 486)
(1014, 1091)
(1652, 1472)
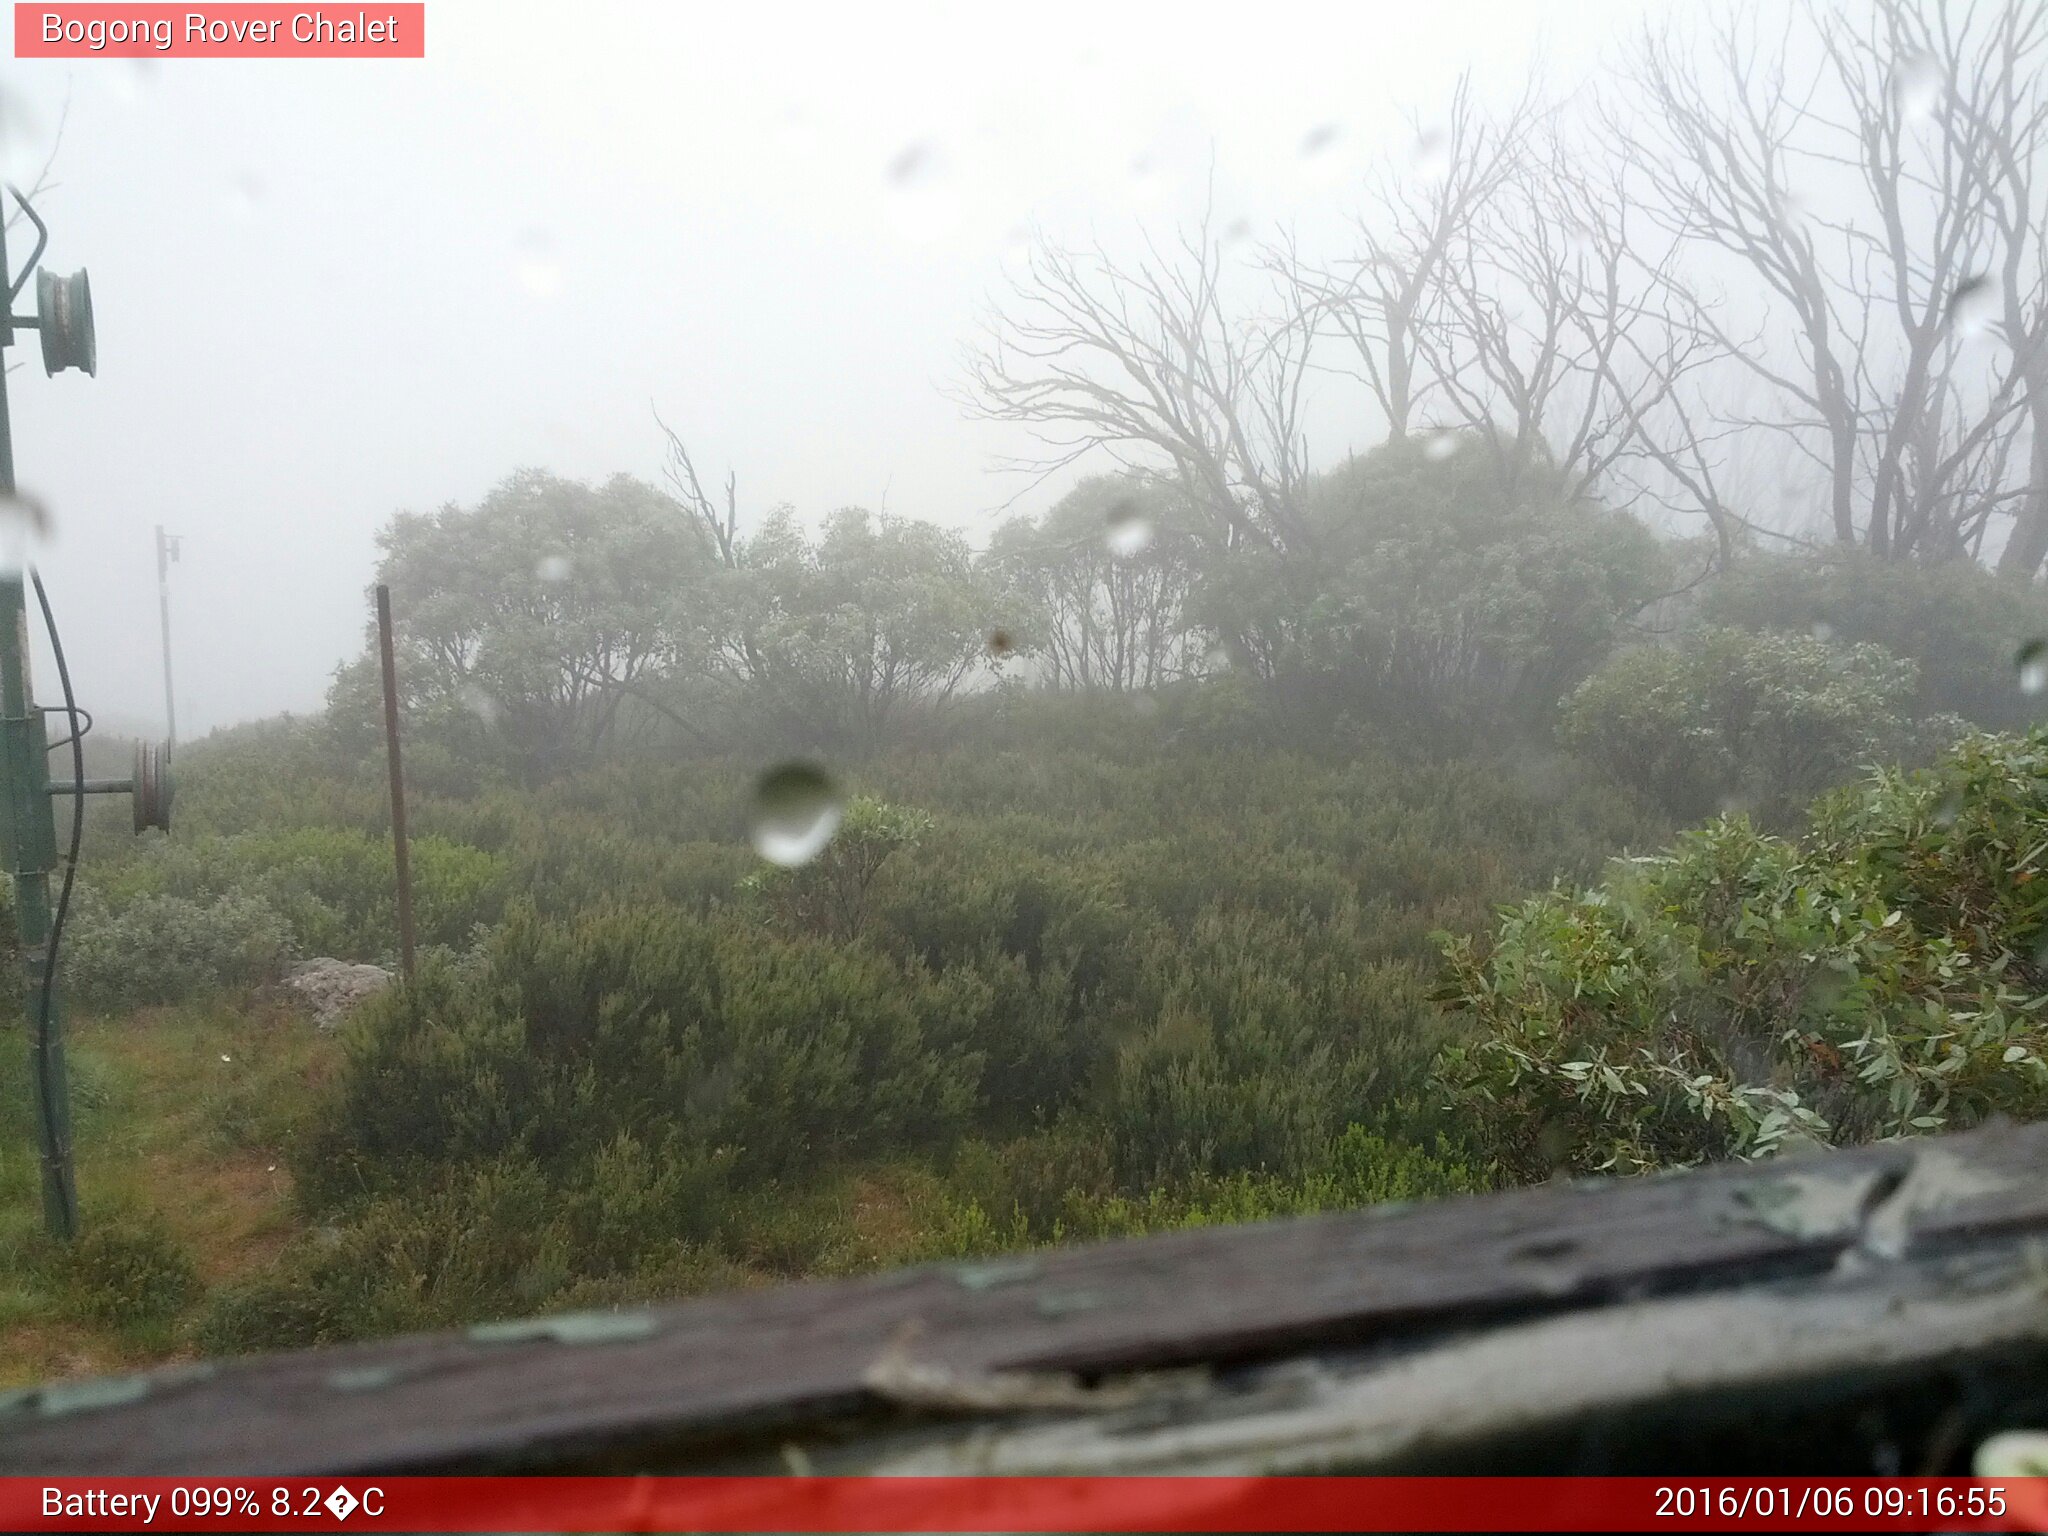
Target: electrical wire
(82, 731)
(77, 741)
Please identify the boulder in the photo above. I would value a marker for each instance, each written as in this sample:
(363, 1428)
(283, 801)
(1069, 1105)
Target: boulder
(332, 988)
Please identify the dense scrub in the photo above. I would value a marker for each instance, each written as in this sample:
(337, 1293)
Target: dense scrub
(1025, 1010)
(1028, 1010)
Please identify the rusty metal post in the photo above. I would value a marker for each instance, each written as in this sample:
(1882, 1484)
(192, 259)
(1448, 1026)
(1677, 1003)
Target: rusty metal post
(399, 852)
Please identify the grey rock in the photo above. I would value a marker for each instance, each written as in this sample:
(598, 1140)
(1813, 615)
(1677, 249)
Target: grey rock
(332, 988)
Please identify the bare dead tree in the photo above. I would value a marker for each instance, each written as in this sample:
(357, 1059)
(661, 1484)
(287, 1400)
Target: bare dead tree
(719, 526)
(1550, 341)
(1384, 298)
(1904, 419)
(1150, 362)
(1988, 68)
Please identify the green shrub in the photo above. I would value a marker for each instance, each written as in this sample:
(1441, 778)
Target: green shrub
(1446, 602)
(497, 1240)
(1960, 624)
(1761, 722)
(702, 1038)
(165, 949)
(128, 1271)
(335, 887)
(829, 895)
(1881, 976)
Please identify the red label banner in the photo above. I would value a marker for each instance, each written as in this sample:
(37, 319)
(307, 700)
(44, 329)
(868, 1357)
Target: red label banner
(243, 31)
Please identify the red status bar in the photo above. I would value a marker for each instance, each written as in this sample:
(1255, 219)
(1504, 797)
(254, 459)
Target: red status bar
(237, 31)
(1030, 1504)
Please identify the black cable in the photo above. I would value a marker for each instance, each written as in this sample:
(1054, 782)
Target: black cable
(82, 731)
(77, 739)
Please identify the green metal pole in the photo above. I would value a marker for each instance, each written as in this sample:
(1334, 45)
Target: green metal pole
(28, 839)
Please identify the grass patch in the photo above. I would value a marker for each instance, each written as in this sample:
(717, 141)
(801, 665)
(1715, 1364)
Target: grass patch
(181, 1121)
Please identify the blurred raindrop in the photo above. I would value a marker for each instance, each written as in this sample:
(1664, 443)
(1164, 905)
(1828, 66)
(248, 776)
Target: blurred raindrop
(135, 78)
(1918, 85)
(2039, 952)
(24, 526)
(1439, 446)
(535, 265)
(246, 194)
(1129, 531)
(1318, 139)
(1430, 159)
(479, 702)
(1823, 631)
(1948, 808)
(796, 810)
(1795, 211)
(2032, 666)
(1974, 305)
(795, 136)
(1237, 231)
(914, 162)
(921, 202)
(553, 568)
(1148, 178)
(1001, 643)
(20, 134)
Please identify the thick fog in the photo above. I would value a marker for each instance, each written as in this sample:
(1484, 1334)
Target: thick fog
(329, 290)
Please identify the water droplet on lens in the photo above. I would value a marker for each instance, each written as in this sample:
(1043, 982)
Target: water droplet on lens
(2032, 666)
(1439, 446)
(1431, 157)
(135, 78)
(20, 133)
(922, 205)
(479, 702)
(535, 265)
(1918, 84)
(553, 568)
(1974, 305)
(1129, 531)
(913, 163)
(796, 810)
(1794, 210)
(1237, 231)
(246, 194)
(24, 526)
(1318, 139)
(1823, 631)
(1001, 643)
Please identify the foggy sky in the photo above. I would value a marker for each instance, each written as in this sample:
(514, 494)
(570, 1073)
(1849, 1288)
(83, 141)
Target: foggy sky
(330, 290)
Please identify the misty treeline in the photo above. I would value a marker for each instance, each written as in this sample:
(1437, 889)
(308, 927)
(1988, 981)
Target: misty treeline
(1776, 289)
